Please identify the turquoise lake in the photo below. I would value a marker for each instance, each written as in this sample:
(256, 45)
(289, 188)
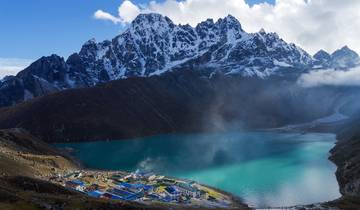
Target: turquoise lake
(264, 168)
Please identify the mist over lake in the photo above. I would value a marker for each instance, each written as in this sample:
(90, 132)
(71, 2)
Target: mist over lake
(264, 168)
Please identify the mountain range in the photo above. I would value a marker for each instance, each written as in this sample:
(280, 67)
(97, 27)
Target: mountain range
(152, 45)
(158, 77)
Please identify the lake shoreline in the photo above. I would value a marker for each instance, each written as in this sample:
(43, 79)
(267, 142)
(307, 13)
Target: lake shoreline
(346, 201)
(129, 145)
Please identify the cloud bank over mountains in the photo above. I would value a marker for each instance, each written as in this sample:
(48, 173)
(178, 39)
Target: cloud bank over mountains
(331, 77)
(313, 24)
(11, 66)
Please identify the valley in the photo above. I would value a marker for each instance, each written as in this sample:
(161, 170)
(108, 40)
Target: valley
(265, 169)
(35, 175)
(211, 104)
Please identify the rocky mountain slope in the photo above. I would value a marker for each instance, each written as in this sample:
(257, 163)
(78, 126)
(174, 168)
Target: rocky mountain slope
(153, 44)
(22, 153)
(347, 158)
(346, 155)
(27, 165)
(168, 78)
(180, 101)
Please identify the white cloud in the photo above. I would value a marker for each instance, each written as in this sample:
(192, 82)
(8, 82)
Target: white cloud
(127, 11)
(313, 24)
(11, 66)
(101, 15)
(331, 77)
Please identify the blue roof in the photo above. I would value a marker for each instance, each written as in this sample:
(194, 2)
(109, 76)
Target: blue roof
(137, 186)
(125, 184)
(132, 197)
(95, 193)
(154, 196)
(115, 197)
(171, 190)
(78, 182)
(167, 199)
(126, 197)
(147, 187)
(186, 186)
(121, 192)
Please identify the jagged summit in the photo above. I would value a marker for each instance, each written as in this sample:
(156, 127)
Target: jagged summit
(151, 21)
(151, 18)
(322, 58)
(321, 54)
(345, 48)
(344, 58)
(230, 22)
(90, 41)
(262, 31)
(345, 52)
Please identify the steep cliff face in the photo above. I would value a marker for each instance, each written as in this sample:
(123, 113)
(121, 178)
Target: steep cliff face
(346, 155)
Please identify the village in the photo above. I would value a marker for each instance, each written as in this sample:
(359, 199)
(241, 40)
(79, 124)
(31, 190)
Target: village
(143, 188)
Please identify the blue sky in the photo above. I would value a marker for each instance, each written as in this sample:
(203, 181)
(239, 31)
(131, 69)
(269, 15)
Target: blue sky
(33, 28)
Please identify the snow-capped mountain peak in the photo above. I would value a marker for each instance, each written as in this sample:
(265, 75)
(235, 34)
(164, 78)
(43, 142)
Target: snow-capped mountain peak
(151, 22)
(322, 55)
(229, 23)
(152, 44)
(343, 58)
(262, 31)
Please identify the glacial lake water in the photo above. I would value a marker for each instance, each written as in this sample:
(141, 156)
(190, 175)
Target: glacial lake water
(264, 168)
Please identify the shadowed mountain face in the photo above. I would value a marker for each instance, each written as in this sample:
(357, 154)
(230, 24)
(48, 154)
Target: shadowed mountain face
(180, 101)
(346, 155)
(153, 45)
